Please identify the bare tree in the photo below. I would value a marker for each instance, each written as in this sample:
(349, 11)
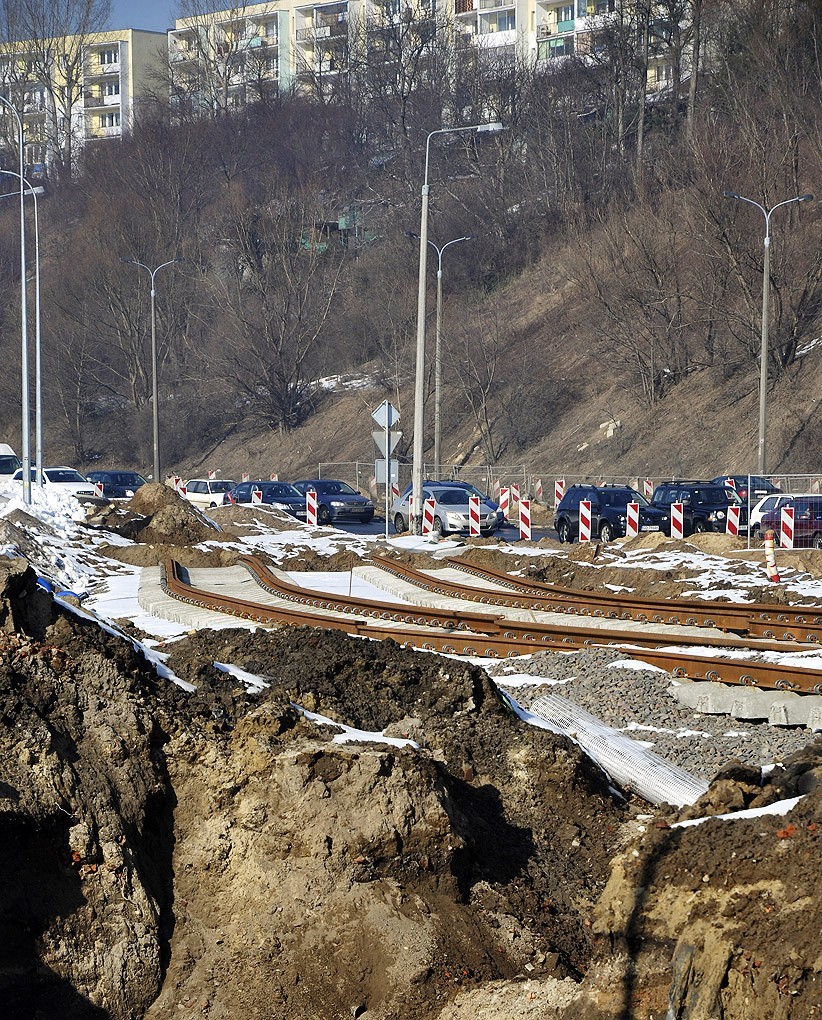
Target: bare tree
(46, 42)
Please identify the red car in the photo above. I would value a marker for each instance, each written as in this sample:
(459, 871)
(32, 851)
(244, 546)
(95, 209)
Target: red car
(807, 521)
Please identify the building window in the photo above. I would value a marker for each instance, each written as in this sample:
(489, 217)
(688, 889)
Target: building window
(111, 88)
(111, 56)
(565, 13)
(110, 120)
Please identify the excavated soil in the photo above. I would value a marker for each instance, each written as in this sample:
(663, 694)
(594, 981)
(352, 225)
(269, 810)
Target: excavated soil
(212, 851)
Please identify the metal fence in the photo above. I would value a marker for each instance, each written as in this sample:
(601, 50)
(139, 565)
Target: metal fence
(490, 477)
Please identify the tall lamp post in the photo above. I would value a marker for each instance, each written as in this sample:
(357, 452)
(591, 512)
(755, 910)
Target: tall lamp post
(154, 387)
(419, 375)
(25, 442)
(766, 282)
(438, 348)
(38, 373)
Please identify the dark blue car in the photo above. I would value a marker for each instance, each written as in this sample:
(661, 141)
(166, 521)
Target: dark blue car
(277, 495)
(337, 501)
(117, 484)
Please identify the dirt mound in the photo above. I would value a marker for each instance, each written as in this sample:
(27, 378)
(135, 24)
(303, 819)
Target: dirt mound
(152, 555)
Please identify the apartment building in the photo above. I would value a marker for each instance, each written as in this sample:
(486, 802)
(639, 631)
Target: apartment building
(73, 90)
(225, 59)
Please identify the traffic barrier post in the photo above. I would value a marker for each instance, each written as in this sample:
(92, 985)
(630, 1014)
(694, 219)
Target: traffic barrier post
(256, 497)
(525, 519)
(514, 493)
(538, 490)
(647, 488)
(732, 521)
(585, 520)
(770, 557)
(274, 477)
(474, 516)
(677, 520)
(632, 521)
(98, 490)
(246, 477)
(428, 516)
(559, 491)
(786, 527)
(504, 500)
(212, 475)
(311, 507)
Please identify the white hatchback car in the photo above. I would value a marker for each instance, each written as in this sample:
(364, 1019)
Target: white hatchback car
(206, 493)
(64, 478)
(768, 504)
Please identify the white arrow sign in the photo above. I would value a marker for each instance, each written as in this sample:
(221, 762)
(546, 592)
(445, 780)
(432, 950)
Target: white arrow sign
(392, 439)
(385, 415)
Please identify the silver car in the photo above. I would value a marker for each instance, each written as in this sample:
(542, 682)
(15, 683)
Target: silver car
(450, 510)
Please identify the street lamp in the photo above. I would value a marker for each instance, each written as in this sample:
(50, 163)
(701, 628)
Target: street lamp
(438, 348)
(154, 389)
(419, 376)
(25, 447)
(38, 375)
(766, 280)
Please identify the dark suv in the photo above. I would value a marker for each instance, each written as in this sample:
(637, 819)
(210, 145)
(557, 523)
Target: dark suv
(759, 486)
(704, 505)
(609, 509)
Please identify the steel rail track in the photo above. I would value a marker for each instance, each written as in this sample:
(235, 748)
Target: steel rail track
(802, 622)
(510, 642)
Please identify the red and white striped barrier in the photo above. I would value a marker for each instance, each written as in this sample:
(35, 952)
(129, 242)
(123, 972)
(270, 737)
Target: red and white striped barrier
(632, 521)
(395, 490)
(514, 494)
(816, 485)
(256, 497)
(677, 520)
(428, 516)
(730, 484)
(274, 477)
(525, 519)
(474, 516)
(504, 500)
(246, 477)
(559, 491)
(585, 520)
(212, 474)
(786, 527)
(732, 521)
(770, 558)
(495, 487)
(647, 488)
(411, 510)
(311, 507)
(98, 490)
(538, 490)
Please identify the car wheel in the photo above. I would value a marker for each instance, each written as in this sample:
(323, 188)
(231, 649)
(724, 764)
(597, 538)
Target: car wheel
(323, 514)
(438, 526)
(368, 518)
(399, 523)
(700, 527)
(564, 531)
(212, 506)
(606, 532)
(756, 535)
(816, 541)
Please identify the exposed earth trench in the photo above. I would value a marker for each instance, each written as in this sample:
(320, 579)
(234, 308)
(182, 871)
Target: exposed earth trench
(212, 852)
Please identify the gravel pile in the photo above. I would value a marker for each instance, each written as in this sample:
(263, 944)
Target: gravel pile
(638, 703)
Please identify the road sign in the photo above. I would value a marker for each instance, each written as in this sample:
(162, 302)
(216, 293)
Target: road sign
(379, 471)
(392, 439)
(385, 415)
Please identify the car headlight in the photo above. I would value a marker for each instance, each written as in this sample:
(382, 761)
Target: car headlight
(337, 502)
(455, 518)
(129, 492)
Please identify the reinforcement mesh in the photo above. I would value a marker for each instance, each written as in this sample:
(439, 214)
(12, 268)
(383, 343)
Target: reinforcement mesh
(629, 764)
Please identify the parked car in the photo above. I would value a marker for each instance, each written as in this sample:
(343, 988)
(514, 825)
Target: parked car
(278, 495)
(472, 491)
(117, 484)
(9, 461)
(337, 501)
(609, 511)
(208, 492)
(766, 505)
(704, 505)
(64, 478)
(807, 521)
(451, 510)
(759, 487)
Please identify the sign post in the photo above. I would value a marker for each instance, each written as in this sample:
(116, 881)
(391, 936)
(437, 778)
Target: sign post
(386, 416)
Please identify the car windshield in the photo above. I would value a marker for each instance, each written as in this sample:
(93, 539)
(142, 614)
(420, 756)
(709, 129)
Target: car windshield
(452, 497)
(60, 475)
(336, 489)
(126, 478)
(621, 497)
(8, 465)
(223, 486)
(282, 489)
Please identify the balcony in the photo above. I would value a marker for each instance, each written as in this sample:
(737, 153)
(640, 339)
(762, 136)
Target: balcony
(92, 101)
(465, 6)
(94, 69)
(108, 132)
(493, 5)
